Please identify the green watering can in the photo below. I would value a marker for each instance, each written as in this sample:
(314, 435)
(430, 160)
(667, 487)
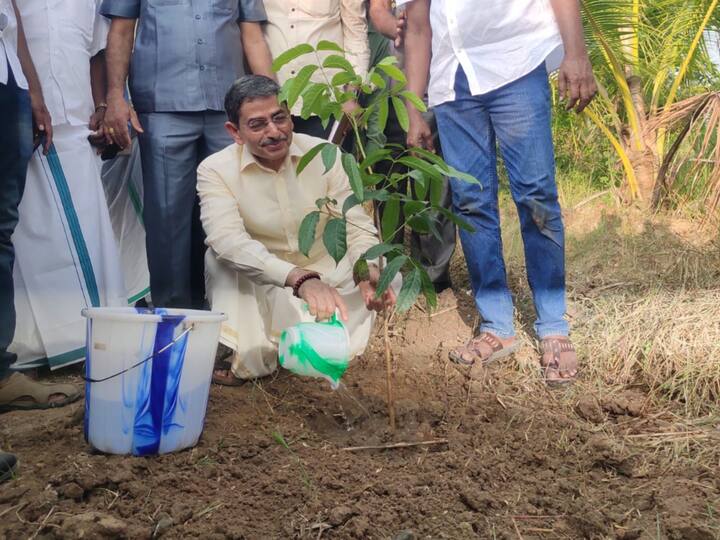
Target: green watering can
(316, 349)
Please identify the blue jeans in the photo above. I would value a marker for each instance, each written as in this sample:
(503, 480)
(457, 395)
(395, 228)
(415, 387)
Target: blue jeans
(171, 148)
(15, 152)
(517, 117)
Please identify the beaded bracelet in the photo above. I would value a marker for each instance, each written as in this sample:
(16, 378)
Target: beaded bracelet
(301, 280)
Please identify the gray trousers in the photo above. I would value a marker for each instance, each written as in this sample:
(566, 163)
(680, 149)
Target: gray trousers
(171, 148)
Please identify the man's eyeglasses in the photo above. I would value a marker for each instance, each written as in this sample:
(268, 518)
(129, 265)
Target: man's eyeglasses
(280, 119)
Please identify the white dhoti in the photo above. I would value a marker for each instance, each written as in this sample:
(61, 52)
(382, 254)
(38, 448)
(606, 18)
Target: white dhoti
(258, 314)
(122, 180)
(66, 254)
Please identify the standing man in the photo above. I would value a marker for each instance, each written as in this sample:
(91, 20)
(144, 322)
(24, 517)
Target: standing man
(292, 22)
(67, 253)
(181, 58)
(20, 109)
(488, 85)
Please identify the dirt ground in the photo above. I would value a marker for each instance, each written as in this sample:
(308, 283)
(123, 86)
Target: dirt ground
(506, 458)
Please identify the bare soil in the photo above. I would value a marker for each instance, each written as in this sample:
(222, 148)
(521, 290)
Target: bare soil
(508, 458)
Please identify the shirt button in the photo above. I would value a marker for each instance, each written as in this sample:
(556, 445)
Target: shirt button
(292, 26)
(202, 68)
(200, 41)
(292, 72)
(198, 17)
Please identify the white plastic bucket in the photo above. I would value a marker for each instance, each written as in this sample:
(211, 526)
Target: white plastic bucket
(148, 376)
(316, 350)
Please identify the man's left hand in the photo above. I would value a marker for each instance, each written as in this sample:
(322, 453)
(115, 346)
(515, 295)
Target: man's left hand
(97, 137)
(369, 287)
(576, 82)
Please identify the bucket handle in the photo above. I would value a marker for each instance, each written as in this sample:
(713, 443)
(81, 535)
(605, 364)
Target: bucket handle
(189, 329)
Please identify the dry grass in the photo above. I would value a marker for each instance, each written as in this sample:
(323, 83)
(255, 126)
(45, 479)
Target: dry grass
(644, 303)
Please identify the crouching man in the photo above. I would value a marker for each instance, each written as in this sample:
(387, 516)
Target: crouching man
(252, 203)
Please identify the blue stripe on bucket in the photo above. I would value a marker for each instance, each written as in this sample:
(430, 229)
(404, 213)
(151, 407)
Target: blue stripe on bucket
(157, 397)
(74, 224)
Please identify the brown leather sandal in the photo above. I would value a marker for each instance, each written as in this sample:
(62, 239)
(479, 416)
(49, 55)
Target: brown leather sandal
(555, 350)
(484, 348)
(19, 392)
(228, 378)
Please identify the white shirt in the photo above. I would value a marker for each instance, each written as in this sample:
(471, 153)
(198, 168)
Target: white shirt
(495, 41)
(8, 45)
(62, 36)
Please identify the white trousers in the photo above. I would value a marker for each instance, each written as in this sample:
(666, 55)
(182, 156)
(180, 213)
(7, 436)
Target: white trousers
(66, 254)
(258, 314)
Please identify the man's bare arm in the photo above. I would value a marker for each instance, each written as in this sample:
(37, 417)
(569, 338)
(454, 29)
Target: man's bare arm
(119, 48)
(418, 44)
(256, 49)
(41, 116)
(385, 22)
(576, 82)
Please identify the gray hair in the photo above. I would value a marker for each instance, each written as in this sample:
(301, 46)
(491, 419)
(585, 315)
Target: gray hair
(247, 88)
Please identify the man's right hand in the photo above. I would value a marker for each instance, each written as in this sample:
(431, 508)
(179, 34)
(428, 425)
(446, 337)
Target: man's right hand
(117, 116)
(322, 300)
(419, 134)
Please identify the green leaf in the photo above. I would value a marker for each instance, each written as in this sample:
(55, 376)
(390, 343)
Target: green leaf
(290, 55)
(420, 184)
(401, 112)
(329, 155)
(349, 203)
(457, 220)
(339, 62)
(335, 238)
(311, 96)
(353, 172)
(410, 208)
(421, 165)
(454, 173)
(377, 80)
(322, 202)
(437, 188)
(428, 289)
(393, 72)
(308, 157)
(306, 236)
(412, 283)
(381, 249)
(299, 83)
(342, 78)
(416, 101)
(388, 60)
(388, 273)
(377, 195)
(383, 112)
(419, 223)
(374, 157)
(325, 45)
(361, 271)
(390, 218)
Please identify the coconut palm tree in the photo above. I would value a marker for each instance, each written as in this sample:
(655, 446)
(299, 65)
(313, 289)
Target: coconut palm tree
(658, 100)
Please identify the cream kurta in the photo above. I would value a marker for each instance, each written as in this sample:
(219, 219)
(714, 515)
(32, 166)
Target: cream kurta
(292, 22)
(252, 215)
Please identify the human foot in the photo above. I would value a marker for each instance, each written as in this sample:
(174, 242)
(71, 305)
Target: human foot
(19, 392)
(559, 361)
(484, 348)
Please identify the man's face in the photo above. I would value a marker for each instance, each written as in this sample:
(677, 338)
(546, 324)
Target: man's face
(266, 128)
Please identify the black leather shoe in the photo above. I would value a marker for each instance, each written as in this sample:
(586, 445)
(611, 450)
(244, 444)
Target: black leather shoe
(8, 466)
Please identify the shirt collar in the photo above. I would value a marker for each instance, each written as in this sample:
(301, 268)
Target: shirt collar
(247, 159)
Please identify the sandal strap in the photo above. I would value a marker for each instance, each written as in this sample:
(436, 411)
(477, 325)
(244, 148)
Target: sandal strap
(555, 347)
(487, 338)
(21, 387)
